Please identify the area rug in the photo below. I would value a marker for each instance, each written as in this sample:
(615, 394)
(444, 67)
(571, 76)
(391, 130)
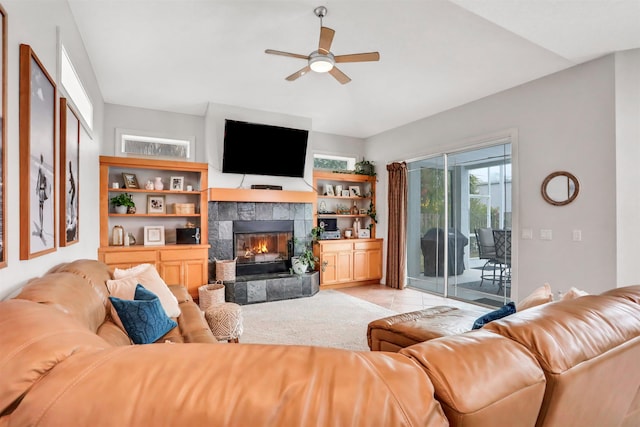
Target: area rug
(328, 319)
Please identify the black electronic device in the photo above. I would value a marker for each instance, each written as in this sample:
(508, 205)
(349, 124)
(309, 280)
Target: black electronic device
(258, 149)
(188, 236)
(266, 187)
(328, 224)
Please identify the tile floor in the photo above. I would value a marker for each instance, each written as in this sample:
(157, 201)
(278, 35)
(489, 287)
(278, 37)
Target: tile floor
(405, 300)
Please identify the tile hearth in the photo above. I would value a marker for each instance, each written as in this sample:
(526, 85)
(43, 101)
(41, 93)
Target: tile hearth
(271, 287)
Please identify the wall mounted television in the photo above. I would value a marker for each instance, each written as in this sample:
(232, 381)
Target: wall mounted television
(258, 149)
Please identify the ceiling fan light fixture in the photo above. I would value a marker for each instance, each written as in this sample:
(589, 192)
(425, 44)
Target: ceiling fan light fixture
(321, 63)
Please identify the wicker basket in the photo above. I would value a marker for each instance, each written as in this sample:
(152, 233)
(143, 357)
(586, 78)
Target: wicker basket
(184, 208)
(210, 294)
(225, 270)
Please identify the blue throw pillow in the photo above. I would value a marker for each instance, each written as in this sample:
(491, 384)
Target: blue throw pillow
(503, 311)
(143, 318)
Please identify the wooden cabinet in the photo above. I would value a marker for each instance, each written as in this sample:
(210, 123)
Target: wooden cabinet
(338, 193)
(178, 264)
(349, 262)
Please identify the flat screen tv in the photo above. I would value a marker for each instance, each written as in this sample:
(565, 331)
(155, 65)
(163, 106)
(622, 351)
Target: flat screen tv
(258, 149)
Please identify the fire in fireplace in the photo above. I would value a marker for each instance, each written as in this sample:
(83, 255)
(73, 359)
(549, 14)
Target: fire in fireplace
(262, 246)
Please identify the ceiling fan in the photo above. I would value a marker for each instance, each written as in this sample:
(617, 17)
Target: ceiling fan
(322, 60)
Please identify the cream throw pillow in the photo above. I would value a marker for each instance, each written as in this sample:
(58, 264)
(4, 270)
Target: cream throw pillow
(542, 295)
(573, 293)
(123, 289)
(147, 276)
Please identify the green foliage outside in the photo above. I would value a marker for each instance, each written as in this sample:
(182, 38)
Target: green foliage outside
(330, 164)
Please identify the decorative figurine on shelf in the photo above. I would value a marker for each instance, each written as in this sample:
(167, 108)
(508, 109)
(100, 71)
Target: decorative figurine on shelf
(149, 185)
(132, 239)
(354, 209)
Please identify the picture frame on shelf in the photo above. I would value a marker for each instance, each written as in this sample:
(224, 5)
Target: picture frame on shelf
(153, 235)
(328, 190)
(177, 183)
(338, 190)
(156, 205)
(354, 190)
(345, 193)
(38, 105)
(130, 180)
(69, 174)
(364, 233)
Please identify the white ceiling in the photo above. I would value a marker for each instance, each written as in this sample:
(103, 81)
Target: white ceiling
(178, 55)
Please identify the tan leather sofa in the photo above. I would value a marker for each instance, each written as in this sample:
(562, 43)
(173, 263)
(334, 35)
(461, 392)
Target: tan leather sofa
(61, 363)
(79, 289)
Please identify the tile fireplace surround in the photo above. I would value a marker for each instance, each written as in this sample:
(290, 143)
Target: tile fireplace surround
(260, 288)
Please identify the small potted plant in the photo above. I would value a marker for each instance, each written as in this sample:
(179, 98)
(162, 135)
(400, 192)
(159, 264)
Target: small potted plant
(306, 260)
(122, 202)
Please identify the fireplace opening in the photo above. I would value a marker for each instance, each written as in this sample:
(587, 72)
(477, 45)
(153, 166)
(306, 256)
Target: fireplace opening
(262, 247)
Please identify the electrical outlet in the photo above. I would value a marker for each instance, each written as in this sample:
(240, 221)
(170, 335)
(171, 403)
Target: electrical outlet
(577, 235)
(527, 234)
(546, 234)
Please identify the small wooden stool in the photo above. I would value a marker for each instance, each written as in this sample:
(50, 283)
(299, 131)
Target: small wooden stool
(225, 321)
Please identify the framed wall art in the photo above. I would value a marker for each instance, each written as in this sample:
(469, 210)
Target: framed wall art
(355, 190)
(69, 174)
(37, 157)
(154, 235)
(3, 136)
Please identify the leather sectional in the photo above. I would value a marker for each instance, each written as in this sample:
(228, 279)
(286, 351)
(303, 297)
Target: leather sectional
(64, 362)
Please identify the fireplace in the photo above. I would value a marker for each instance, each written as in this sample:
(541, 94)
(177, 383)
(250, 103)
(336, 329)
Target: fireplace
(262, 247)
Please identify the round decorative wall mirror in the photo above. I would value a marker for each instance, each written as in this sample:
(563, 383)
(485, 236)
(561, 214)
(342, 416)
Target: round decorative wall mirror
(560, 188)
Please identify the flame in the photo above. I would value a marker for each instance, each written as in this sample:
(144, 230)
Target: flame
(261, 247)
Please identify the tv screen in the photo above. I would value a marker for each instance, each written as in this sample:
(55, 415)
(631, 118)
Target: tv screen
(257, 149)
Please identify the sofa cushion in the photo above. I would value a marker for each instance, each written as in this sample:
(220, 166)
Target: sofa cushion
(35, 338)
(143, 318)
(71, 294)
(147, 276)
(503, 311)
(541, 295)
(573, 293)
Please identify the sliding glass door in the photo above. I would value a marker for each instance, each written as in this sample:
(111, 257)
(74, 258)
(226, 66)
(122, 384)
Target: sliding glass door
(451, 198)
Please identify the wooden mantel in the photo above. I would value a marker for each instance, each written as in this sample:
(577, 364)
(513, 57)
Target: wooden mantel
(249, 195)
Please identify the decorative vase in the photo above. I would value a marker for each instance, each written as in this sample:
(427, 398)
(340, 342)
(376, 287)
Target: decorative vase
(117, 235)
(297, 266)
(121, 209)
(158, 185)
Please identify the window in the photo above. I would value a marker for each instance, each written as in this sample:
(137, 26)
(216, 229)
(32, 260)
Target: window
(334, 163)
(74, 89)
(133, 142)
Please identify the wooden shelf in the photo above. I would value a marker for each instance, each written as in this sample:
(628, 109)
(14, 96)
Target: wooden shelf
(143, 190)
(139, 215)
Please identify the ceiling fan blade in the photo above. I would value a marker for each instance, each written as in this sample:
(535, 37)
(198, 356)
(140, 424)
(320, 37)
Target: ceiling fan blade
(358, 57)
(326, 38)
(293, 55)
(298, 73)
(339, 75)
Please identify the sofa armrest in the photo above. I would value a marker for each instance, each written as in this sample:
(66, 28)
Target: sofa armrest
(495, 382)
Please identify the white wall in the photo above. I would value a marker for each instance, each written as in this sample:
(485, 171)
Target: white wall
(35, 23)
(627, 77)
(565, 121)
(151, 123)
(318, 143)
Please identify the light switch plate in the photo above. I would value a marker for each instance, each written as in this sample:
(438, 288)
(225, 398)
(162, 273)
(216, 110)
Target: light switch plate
(527, 234)
(546, 234)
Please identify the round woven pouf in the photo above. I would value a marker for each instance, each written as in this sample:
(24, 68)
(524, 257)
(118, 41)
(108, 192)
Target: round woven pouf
(225, 321)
